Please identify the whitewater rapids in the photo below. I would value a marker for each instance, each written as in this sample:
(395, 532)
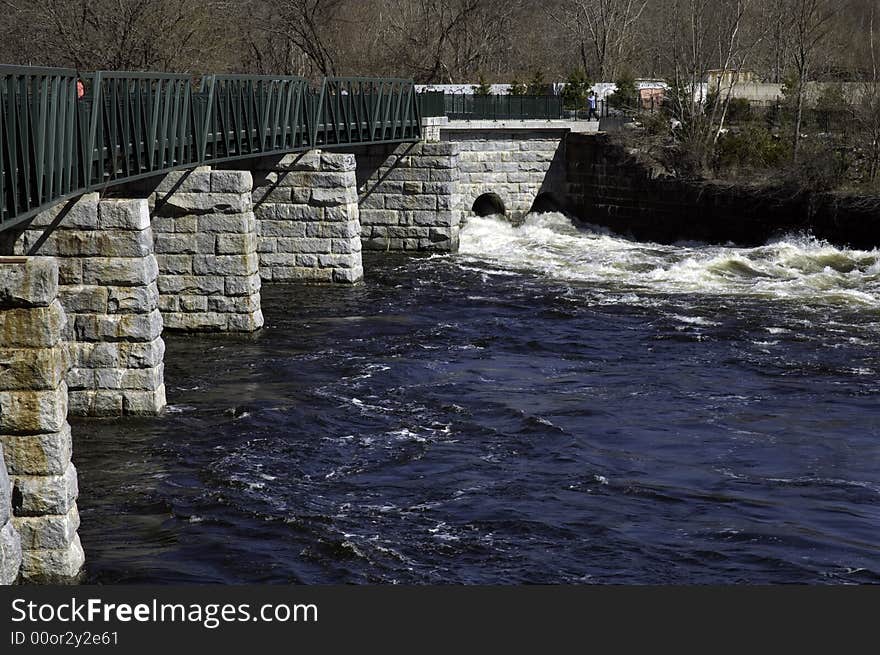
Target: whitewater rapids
(793, 268)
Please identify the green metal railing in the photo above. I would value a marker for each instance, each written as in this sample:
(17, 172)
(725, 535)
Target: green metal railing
(432, 103)
(467, 106)
(355, 110)
(64, 133)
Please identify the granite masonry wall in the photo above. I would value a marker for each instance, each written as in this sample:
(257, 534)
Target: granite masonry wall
(515, 165)
(107, 286)
(10, 540)
(409, 196)
(206, 248)
(612, 186)
(34, 432)
(308, 222)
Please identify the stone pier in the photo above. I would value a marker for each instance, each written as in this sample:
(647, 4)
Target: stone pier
(34, 432)
(107, 286)
(206, 247)
(409, 196)
(10, 540)
(308, 223)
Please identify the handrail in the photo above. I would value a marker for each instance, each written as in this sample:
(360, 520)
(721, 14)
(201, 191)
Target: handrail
(64, 133)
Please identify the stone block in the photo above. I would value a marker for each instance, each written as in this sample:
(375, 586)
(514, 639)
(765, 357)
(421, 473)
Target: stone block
(186, 225)
(191, 284)
(114, 271)
(345, 246)
(94, 355)
(10, 553)
(372, 201)
(118, 327)
(32, 369)
(239, 223)
(411, 202)
(265, 247)
(168, 304)
(231, 182)
(282, 228)
(271, 194)
(96, 403)
(324, 197)
(50, 532)
(224, 265)
(236, 244)
(144, 403)
(205, 203)
(29, 412)
(234, 304)
(195, 322)
(123, 214)
(278, 259)
(77, 214)
(330, 180)
(142, 355)
(348, 276)
(37, 454)
(206, 244)
(143, 379)
(379, 217)
(167, 244)
(31, 284)
(443, 175)
(70, 271)
(402, 174)
(132, 300)
(190, 181)
(242, 285)
(245, 322)
(37, 495)
(332, 161)
(53, 566)
(83, 299)
(193, 303)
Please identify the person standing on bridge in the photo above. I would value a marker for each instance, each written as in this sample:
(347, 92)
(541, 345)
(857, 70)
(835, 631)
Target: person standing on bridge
(591, 100)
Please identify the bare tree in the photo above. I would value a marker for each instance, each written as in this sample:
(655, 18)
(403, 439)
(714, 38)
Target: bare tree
(811, 22)
(118, 34)
(705, 35)
(604, 30)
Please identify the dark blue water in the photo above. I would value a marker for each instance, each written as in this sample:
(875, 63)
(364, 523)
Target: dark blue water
(456, 422)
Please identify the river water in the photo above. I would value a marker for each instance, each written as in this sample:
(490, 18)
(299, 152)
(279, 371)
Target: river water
(551, 405)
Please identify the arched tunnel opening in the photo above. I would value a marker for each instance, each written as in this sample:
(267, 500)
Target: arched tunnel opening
(489, 204)
(547, 202)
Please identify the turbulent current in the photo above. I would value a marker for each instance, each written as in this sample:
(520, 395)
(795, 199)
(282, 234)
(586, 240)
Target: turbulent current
(553, 404)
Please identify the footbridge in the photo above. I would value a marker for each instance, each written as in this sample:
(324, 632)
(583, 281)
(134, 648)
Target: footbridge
(134, 205)
(64, 133)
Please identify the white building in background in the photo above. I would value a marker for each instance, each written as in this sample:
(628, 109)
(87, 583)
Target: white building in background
(601, 89)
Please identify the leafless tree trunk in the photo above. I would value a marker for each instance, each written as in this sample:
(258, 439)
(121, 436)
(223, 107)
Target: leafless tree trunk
(604, 29)
(810, 24)
(706, 34)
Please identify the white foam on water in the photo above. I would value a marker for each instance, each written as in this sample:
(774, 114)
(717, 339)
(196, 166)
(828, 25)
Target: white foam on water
(792, 268)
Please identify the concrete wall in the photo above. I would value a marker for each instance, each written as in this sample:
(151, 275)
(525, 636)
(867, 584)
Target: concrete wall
(517, 165)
